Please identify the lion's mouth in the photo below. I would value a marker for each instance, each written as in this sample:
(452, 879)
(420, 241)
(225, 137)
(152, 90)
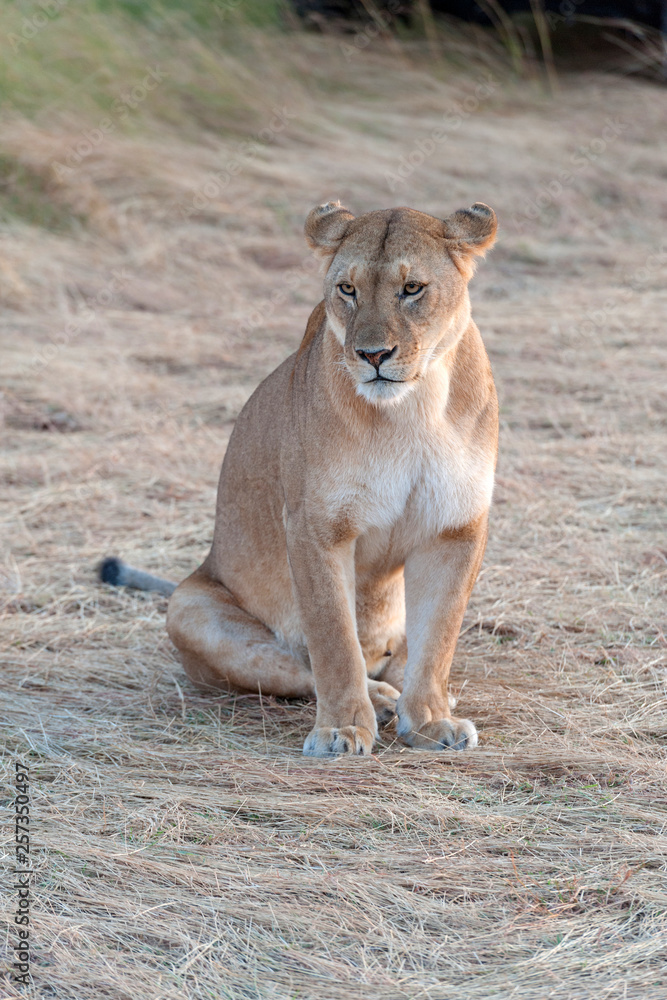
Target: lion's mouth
(382, 378)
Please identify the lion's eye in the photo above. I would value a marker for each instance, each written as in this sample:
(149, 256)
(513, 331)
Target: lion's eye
(346, 288)
(412, 287)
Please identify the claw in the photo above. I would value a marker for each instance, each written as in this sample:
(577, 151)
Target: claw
(445, 734)
(327, 741)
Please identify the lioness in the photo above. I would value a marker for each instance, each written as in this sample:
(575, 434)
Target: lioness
(354, 495)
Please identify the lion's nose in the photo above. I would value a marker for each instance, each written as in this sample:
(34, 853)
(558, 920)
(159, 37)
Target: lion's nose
(376, 355)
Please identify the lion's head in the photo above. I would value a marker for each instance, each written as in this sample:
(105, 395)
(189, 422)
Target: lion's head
(395, 288)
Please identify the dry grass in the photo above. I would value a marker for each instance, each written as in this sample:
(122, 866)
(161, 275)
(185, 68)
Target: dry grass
(183, 846)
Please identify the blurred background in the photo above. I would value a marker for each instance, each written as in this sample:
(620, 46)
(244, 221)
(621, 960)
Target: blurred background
(157, 160)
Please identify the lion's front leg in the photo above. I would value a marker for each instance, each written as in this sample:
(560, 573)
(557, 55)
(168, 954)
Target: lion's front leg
(323, 574)
(438, 580)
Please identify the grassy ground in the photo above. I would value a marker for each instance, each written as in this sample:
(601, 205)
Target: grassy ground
(183, 847)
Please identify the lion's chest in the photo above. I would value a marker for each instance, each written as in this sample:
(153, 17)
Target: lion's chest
(398, 497)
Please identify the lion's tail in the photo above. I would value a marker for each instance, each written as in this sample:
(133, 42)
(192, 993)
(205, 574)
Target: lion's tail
(119, 574)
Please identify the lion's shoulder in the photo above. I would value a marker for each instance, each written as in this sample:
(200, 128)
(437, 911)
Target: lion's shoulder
(315, 323)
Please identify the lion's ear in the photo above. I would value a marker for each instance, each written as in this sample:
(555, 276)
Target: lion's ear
(326, 226)
(470, 232)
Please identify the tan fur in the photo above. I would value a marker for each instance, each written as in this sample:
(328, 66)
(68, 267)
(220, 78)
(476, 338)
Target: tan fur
(352, 513)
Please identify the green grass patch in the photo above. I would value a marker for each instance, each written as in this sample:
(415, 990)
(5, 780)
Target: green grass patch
(95, 58)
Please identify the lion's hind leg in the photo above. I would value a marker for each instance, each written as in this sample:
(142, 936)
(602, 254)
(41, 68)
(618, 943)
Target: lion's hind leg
(223, 646)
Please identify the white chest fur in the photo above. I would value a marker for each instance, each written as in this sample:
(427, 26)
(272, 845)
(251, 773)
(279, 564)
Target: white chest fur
(419, 473)
(429, 487)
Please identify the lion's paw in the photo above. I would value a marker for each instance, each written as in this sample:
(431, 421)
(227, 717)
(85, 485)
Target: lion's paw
(329, 742)
(383, 698)
(443, 734)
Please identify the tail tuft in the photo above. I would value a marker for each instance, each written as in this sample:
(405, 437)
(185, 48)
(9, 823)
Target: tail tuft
(118, 574)
(110, 571)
